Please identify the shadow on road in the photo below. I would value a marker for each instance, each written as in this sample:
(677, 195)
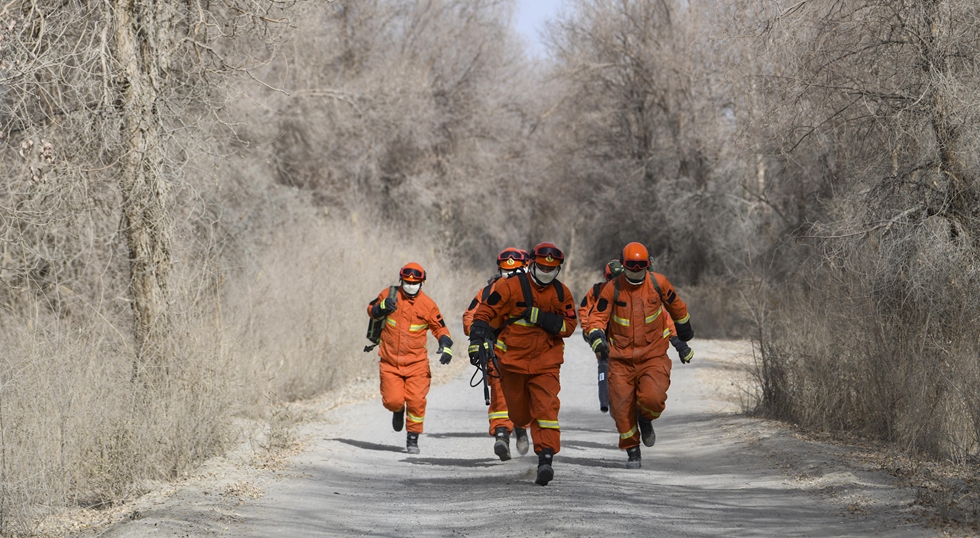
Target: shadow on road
(561, 459)
(369, 446)
(458, 435)
(453, 462)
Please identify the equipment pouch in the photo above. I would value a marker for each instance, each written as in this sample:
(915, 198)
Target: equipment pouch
(375, 326)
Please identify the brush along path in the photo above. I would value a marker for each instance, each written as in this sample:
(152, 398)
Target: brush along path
(711, 473)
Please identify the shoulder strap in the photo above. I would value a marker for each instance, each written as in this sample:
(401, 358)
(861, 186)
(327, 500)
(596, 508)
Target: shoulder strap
(559, 289)
(615, 291)
(656, 285)
(526, 290)
(528, 300)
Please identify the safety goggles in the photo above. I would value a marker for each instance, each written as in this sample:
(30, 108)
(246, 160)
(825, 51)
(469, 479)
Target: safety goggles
(511, 258)
(546, 252)
(636, 265)
(411, 274)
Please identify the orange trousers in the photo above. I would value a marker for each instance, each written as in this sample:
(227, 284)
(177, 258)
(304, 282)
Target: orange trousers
(405, 387)
(533, 399)
(637, 387)
(497, 413)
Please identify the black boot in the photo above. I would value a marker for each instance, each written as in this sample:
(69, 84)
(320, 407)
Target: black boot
(398, 419)
(545, 472)
(634, 457)
(647, 434)
(502, 445)
(522, 442)
(412, 443)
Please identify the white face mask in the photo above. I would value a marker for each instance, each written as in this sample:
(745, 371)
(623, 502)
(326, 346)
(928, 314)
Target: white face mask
(542, 277)
(411, 289)
(636, 276)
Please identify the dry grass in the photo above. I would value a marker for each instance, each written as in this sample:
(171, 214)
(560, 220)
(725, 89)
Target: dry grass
(78, 431)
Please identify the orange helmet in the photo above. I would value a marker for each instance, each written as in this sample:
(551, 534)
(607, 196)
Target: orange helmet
(635, 257)
(412, 272)
(548, 255)
(511, 258)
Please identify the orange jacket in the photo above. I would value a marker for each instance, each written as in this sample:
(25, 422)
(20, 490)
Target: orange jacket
(522, 346)
(480, 297)
(637, 326)
(588, 302)
(403, 340)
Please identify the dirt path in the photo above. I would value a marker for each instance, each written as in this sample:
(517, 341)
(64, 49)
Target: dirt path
(712, 473)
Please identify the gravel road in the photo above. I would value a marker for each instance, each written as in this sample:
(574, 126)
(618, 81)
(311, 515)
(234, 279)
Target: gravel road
(711, 473)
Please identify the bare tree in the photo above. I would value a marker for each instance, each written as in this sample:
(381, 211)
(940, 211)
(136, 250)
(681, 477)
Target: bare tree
(95, 94)
(871, 104)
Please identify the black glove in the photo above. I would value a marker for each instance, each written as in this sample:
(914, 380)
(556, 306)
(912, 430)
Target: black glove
(684, 331)
(445, 350)
(479, 352)
(684, 351)
(599, 345)
(383, 307)
(481, 341)
(549, 321)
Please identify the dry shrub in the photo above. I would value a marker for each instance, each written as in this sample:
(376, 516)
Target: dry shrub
(882, 342)
(300, 317)
(78, 429)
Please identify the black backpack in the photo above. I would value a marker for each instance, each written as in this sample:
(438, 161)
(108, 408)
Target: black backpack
(376, 325)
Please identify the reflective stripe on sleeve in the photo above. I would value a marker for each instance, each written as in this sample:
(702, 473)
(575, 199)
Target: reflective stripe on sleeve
(685, 320)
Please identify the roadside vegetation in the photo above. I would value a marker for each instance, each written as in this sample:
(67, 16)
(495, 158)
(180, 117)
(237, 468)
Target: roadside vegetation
(199, 201)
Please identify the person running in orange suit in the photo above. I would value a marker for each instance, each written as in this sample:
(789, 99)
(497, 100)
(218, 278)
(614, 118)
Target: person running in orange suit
(534, 312)
(632, 307)
(405, 373)
(509, 261)
(612, 270)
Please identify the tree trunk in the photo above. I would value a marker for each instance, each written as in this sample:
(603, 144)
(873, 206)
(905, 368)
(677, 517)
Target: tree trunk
(146, 224)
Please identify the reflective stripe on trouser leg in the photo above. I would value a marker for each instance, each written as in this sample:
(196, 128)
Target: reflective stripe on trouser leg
(653, 379)
(628, 434)
(622, 401)
(416, 389)
(534, 398)
(497, 412)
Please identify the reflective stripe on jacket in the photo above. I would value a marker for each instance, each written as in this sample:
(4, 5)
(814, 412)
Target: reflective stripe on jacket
(403, 339)
(523, 346)
(637, 325)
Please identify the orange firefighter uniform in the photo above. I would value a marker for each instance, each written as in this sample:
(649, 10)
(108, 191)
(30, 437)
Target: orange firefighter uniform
(405, 374)
(529, 357)
(497, 412)
(639, 334)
